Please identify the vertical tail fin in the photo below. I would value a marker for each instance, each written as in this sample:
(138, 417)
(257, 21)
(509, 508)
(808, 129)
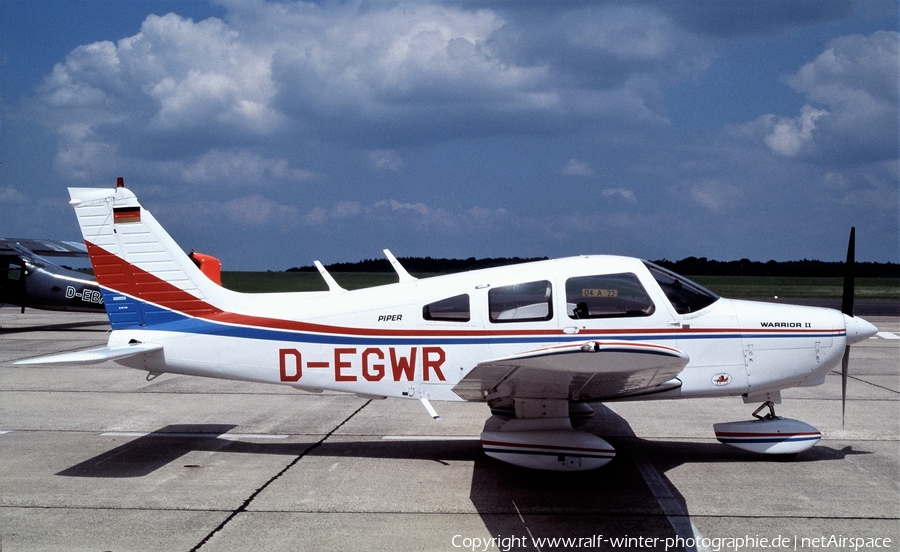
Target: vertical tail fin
(145, 278)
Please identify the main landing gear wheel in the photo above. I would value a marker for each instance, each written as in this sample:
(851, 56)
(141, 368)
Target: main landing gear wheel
(541, 437)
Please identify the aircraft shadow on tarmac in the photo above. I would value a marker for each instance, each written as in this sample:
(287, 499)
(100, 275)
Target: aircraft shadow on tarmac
(148, 453)
(615, 501)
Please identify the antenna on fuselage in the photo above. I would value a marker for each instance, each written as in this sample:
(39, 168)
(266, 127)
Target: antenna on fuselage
(398, 268)
(329, 279)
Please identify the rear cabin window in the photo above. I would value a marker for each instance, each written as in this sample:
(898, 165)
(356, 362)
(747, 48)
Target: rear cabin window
(14, 273)
(528, 302)
(451, 309)
(607, 296)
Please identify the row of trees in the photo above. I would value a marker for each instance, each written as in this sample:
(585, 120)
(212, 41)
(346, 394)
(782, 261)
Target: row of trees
(691, 266)
(702, 266)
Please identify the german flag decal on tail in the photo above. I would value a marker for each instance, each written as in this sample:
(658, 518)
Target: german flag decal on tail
(126, 214)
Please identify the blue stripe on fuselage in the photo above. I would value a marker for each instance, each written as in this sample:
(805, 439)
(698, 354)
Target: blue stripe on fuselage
(127, 312)
(162, 319)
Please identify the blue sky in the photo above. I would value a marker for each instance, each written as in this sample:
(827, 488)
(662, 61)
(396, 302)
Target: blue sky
(270, 134)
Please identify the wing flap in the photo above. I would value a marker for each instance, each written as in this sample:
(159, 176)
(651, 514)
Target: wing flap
(591, 371)
(96, 356)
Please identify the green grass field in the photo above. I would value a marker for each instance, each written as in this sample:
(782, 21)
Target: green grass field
(755, 287)
(737, 287)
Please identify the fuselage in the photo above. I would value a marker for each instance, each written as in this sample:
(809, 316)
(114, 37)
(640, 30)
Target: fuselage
(421, 338)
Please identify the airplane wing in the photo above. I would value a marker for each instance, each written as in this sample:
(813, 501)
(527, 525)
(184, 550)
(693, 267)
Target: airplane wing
(45, 248)
(96, 356)
(590, 371)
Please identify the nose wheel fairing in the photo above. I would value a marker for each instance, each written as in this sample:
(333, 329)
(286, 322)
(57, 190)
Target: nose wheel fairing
(768, 434)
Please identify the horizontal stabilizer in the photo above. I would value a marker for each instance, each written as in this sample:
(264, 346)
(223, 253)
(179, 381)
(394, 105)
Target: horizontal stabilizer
(95, 356)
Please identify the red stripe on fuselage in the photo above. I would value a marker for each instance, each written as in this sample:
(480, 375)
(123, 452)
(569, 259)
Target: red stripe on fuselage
(119, 275)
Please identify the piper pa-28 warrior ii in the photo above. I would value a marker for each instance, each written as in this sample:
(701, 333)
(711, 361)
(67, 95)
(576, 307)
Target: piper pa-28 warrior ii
(538, 342)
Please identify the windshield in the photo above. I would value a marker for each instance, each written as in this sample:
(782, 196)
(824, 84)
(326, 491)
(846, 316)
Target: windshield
(686, 296)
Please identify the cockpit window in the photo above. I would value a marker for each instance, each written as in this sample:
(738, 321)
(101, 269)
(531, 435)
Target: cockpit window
(14, 273)
(686, 296)
(521, 302)
(452, 309)
(607, 296)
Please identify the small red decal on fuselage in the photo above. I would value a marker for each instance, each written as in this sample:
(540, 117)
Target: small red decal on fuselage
(372, 364)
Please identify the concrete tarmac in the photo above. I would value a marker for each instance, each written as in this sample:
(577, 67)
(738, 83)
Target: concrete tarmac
(99, 458)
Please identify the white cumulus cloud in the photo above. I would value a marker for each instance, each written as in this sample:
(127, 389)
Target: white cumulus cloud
(385, 160)
(270, 74)
(621, 193)
(254, 210)
(788, 136)
(853, 110)
(238, 167)
(10, 196)
(714, 195)
(576, 167)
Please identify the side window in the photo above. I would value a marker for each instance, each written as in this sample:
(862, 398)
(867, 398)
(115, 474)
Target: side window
(607, 296)
(452, 309)
(686, 296)
(521, 302)
(11, 271)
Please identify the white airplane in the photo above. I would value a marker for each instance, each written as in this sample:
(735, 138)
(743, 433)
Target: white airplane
(538, 342)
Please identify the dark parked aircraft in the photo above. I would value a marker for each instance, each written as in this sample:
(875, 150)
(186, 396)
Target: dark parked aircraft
(28, 279)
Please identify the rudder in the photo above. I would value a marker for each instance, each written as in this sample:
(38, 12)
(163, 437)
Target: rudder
(145, 277)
